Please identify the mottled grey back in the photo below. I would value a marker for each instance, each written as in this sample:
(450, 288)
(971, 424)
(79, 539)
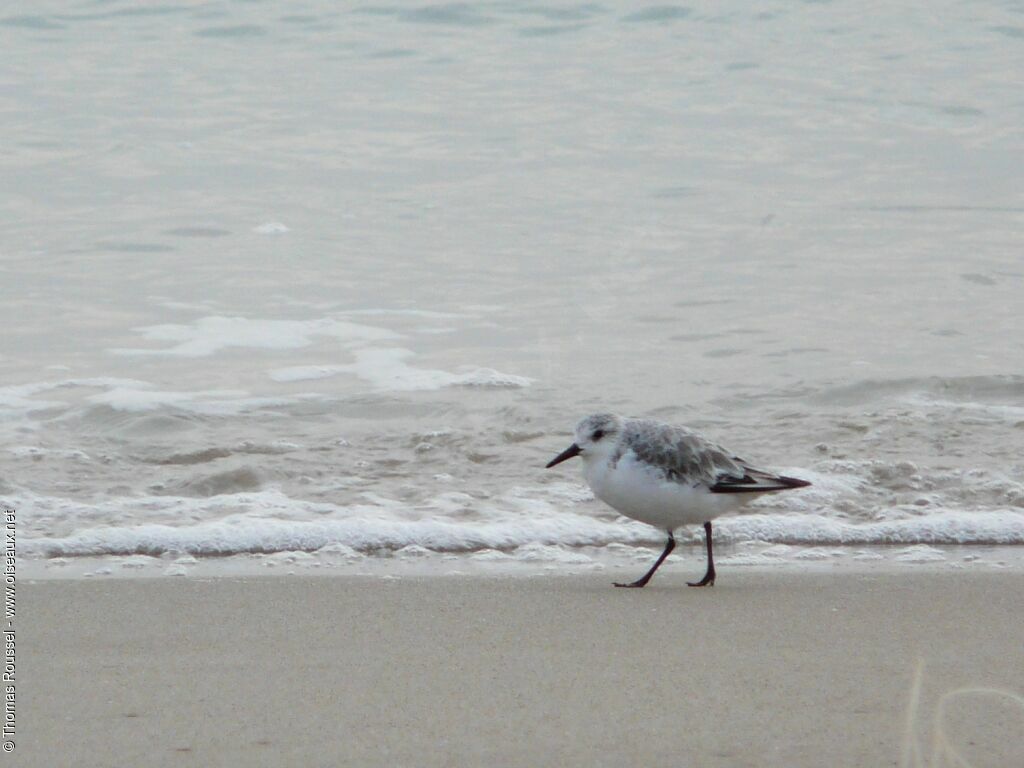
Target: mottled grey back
(682, 454)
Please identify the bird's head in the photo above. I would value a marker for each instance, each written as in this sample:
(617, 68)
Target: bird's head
(596, 437)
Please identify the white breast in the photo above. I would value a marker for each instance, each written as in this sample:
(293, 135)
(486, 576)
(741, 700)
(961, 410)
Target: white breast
(640, 491)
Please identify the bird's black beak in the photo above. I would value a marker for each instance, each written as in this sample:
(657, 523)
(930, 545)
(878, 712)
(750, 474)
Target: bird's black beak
(568, 453)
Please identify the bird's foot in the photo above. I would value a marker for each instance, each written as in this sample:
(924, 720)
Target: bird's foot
(707, 581)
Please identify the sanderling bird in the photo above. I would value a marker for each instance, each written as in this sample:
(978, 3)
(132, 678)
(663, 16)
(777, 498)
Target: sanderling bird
(666, 476)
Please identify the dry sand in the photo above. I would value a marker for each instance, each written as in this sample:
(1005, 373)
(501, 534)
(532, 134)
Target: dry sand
(776, 668)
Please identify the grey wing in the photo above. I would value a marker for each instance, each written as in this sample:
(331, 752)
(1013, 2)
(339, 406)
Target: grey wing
(689, 458)
(682, 455)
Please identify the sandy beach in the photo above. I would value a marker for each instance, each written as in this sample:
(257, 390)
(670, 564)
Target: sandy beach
(767, 668)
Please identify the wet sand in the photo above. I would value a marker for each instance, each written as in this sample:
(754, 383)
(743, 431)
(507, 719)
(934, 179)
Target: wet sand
(767, 668)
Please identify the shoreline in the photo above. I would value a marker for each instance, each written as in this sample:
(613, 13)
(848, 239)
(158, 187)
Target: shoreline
(617, 560)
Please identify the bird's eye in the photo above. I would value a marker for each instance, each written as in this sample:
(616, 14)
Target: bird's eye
(598, 434)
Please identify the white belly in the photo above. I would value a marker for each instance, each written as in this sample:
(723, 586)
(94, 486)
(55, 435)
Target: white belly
(640, 492)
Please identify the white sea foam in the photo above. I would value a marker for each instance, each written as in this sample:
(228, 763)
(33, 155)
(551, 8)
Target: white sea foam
(268, 521)
(222, 402)
(920, 553)
(241, 533)
(271, 228)
(488, 378)
(866, 555)
(341, 551)
(36, 453)
(131, 396)
(812, 554)
(212, 334)
(550, 553)
(19, 400)
(491, 556)
(412, 551)
(386, 369)
(440, 485)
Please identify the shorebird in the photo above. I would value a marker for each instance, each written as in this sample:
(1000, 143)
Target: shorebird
(667, 476)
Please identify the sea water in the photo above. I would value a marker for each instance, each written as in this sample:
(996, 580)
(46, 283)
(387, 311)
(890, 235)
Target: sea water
(280, 277)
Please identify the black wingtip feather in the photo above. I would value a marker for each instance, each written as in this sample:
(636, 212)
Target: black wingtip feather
(749, 485)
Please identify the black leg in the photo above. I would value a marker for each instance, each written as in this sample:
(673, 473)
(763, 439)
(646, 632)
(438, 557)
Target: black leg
(709, 575)
(642, 581)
